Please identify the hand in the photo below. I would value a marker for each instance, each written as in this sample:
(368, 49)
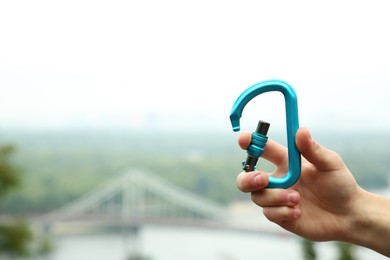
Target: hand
(321, 205)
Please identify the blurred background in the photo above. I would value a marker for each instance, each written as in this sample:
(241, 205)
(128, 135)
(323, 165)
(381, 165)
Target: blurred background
(114, 121)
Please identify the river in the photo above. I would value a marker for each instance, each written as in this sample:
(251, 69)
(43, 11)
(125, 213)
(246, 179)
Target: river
(185, 243)
(163, 243)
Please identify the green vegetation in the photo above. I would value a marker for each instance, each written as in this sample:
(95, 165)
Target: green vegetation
(309, 252)
(15, 239)
(15, 235)
(61, 166)
(345, 250)
(9, 175)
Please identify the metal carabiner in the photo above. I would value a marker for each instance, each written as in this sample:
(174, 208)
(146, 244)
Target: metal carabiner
(292, 124)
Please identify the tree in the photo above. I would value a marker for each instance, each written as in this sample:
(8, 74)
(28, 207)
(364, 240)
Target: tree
(345, 251)
(15, 235)
(9, 174)
(309, 252)
(15, 239)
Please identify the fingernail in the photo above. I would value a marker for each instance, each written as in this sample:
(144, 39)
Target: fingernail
(293, 197)
(258, 180)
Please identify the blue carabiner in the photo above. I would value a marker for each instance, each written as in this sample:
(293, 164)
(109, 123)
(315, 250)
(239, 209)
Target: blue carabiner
(290, 97)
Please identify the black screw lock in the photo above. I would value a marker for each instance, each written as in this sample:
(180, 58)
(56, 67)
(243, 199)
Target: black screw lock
(256, 147)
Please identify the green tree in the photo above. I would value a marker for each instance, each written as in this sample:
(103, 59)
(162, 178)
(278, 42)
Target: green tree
(15, 239)
(15, 235)
(309, 252)
(346, 251)
(9, 174)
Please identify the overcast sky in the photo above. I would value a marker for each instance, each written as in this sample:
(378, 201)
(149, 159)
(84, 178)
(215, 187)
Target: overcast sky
(181, 64)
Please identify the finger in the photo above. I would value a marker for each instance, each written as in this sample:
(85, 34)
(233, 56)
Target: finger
(275, 197)
(252, 181)
(275, 153)
(282, 213)
(323, 159)
(244, 140)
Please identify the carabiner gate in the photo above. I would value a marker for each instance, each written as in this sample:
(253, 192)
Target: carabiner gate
(290, 97)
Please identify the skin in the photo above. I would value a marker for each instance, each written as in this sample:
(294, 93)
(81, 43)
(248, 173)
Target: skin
(325, 204)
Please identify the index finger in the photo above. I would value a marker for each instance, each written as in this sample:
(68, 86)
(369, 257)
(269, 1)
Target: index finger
(244, 140)
(273, 151)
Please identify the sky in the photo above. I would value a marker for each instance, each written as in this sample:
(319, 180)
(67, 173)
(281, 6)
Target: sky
(180, 65)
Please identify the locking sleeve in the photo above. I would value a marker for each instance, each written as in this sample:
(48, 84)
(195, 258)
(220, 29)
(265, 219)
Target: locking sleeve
(256, 148)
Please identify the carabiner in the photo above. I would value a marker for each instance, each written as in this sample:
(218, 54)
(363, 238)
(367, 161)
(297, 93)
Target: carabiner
(290, 97)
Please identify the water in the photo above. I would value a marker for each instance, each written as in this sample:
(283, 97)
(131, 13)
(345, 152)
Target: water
(184, 243)
(170, 243)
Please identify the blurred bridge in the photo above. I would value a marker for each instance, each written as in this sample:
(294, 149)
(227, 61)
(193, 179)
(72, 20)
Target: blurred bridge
(138, 197)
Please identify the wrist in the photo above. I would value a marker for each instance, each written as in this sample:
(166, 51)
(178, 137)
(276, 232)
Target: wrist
(369, 224)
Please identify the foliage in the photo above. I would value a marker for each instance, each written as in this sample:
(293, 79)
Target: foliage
(309, 252)
(15, 239)
(9, 175)
(15, 235)
(45, 247)
(137, 257)
(346, 251)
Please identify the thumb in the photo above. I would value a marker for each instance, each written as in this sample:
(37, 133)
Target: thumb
(322, 158)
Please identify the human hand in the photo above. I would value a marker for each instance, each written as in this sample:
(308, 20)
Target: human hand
(321, 205)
